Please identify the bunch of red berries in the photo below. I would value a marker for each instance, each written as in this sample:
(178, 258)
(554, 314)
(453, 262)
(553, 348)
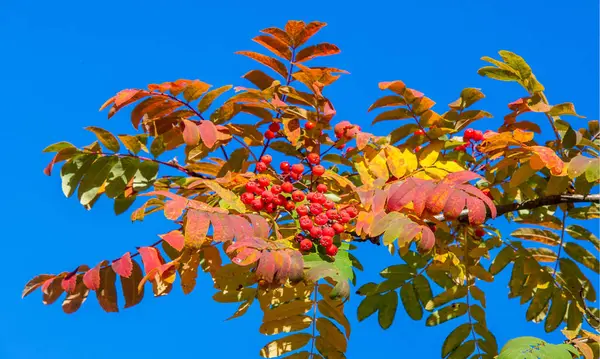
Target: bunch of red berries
(470, 135)
(271, 133)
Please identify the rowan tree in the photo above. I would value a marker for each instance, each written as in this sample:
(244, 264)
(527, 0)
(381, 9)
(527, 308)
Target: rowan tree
(273, 196)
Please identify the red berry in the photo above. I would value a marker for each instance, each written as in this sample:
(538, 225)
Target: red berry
(309, 125)
(305, 223)
(270, 207)
(318, 198)
(329, 204)
(328, 231)
(344, 217)
(285, 167)
(267, 196)
(274, 126)
(287, 187)
(298, 237)
(309, 196)
(261, 166)
(289, 205)
(306, 245)
(418, 148)
(332, 214)
(269, 135)
(321, 219)
(326, 241)
(266, 159)
(318, 170)
(352, 211)
(298, 196)
(469, 132)
(488, 193)
(316, 232)
(340, 146)
(479, 232)
(302, 210)
(251, 186)
(298, 168)
(257, 204)
(478, 136)
(338, 228)
(313, 158)
(295, 176)
(316, 208)
(349, 149)
(263, 181)
(321, 188)
(419, 132)
(331, 250)
(276, 189)
(247, 197)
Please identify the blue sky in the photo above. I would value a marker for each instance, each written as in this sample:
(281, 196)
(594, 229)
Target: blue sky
(61, 60)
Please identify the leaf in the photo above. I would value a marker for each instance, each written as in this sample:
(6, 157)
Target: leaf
(106, 138)
(313, 51)
(284, 345)
(75, 299)
(208, 133)
(580, 233)
(57, 147)
(123, 266)
(387, 309)
(274, 45)
(455, 338)
(445, 314)
(35, 283)
(274, 64)
(566, 108)
(120, 176)
(429, 154)
(72, 172)
(537, 235)
(336, 313)
(286, 325)
(516, 62)
(175, 239)
(447, 296)
(94, 178)
(408, 295)
(521, 175)
(402, 131)
(582, 256)
(538, 303)
(395, 114)
(195, 90)
(91, 278)
(498, 74)
(464, 350)
(557, 311)
(191, 133)
(368, 306)
(331, 334)
(107, 293)
(130, 285)
(132, 143)
(387, 101)
(211, 96)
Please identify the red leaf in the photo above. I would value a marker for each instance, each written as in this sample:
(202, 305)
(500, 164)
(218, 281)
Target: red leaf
(69, 282)
(124, 96)
(208, 133)
(91, 278)
(123, 266)
(476, 211)
(283, 264)
(260, 225)
(222, 230)
(246, 256)
(278, 33)
(296, 267)
(150, 258)
(311, 52)
(266, 267)
(242, 228)
(421, 195)
(196, 226)
(427, 239)
(477, 193)
(174, 208)
(455, 204)
(328, 111)
(191, 133)
(461, 177)
(175, 239)
(362, 140)
(438, 197)
(379, 200)
(274, 64)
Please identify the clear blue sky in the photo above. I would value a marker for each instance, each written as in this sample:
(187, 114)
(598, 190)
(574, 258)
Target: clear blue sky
(60, 60)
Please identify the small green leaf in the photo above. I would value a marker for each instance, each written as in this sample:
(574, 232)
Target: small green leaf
(120, 175)
(445, 314)
(539, 302)
(368, 307)
(395, 114)
(122, 204)
(158, 146)
(56, 147)
(582, 256)
(557, 311)
(410, 302)
(94, 178)
(106, 138)
(580, 233)
(145, 175)
(502, 259)
(498, 74)
(455, 338)
(387, 309)
(566, 108)
(72, 172)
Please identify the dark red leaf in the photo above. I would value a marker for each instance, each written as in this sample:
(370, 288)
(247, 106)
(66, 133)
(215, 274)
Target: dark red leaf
(266, 267)
(69, 282)
(427, 239)
(91, 278)
(52, 289)
(150, 258)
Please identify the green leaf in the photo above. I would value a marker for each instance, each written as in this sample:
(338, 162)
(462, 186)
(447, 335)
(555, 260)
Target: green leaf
(592, 174)
(284, 147)
(566, 108)
(387, 309)
(72, 172)
(210, 97)
(423, 289)
(447, 296)
(588, 212)
(106, 138)
(498, 74)
(574, 317)
(398, 271)
(368, 306)
(395, 114)
(502, 259)
(537, 235)
(158, 146)
(557, 311)
(402, 131)
(539, 302)
(145, 175)
(582, 256)
(516, 62)
(463, 351)
(120, 175)
(445, 314)
(56, 147)
(455, 338)
(521, 175)
(517, 278)
(94, 178)
(132, 143)
(411, 302)
(122, 204)
(580, 233)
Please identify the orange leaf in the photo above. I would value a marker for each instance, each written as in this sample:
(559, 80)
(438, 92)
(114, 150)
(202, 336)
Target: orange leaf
(150, 258)
(259, 79)
(196, 226)
(123, 266)
(126, 96)
(291, 128)
(309, 30)
(293, 28)
(175, 239)
(274, 64)
(174, 208)
(396, 86)
(311, 52)
(191, 133)
(279, 34)
(208, 133)
(195, 90)
(274, 45)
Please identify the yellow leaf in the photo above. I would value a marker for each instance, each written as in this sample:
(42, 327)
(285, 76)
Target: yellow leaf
(229, 198)
(395, 161)
(450, 166)
(286, 325)
(330, 333)
(410, 160)
(378, 166)
(430, 154)
(522, 136)
(436, 173)
(285, 345)
(363, 171)
(342, 181)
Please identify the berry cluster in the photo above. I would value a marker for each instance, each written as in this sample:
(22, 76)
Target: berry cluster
(470, 135)
(271, 133)
(318, 217)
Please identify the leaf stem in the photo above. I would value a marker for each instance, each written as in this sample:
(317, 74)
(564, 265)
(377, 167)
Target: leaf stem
(560, 245)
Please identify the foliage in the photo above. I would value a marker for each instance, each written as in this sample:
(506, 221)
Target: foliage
(286, 236)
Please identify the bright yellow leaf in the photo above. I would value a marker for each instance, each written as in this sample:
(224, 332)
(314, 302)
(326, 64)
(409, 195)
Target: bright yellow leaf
(430, 154)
